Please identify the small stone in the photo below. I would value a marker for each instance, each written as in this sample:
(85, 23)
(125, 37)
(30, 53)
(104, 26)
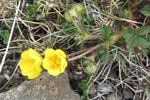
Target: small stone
(92, 91)
(104, 88)
(113, 97)
(45, 87)
(127, 94)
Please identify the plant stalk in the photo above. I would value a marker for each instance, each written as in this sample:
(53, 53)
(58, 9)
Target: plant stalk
(92, 49)
(96, 36)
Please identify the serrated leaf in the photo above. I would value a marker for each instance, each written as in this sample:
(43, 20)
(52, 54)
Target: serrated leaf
(5, 35)
(131, 31)
(146, 11)
(105, 30)
(83, 85)
(112, 34)
(2, 33)
(142, 42)
(126, 36)
(31, 9)
(143, 30)
(131, 44)
(148, 39)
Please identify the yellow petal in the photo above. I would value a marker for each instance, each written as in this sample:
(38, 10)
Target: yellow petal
(54, 72)
(25, 55)
(26, 73)
(63, 66)
(63, 63)
(26, 65)
(38, 61)
(32, 76)
(32, 73)
(37, 57)
(50, 53)
(47, 63)
(38, 66)
(61, 53)
(33, 52)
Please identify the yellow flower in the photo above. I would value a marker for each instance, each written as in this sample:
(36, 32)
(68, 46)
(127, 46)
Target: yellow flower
(30, 64)
(55, 61)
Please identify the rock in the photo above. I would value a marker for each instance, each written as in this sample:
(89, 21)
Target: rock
(45, 87)
(113, 97)
(104, 88)
(127, 94)
(92, 91)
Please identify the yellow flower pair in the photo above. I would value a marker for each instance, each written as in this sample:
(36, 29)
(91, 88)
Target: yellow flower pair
(55, 62)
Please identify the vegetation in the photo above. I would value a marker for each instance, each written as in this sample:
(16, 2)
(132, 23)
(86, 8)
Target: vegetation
(109, 39)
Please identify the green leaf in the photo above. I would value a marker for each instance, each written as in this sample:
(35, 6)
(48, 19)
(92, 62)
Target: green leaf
(105, 30)
(5, 35)
(105, 56)
(31, 9)
(142, 42)
(127, 35)
(146, 11)
(90, 20)
(112, 34)
(70, 30)
(131, 44)
(148, 39)
(130, 30)
(91, 69)
(143, 30)
(83, 85)
(83, 98)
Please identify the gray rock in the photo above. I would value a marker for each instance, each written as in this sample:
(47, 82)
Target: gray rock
(127, 94)
(113, 97)
(45, 87)
(104, 88)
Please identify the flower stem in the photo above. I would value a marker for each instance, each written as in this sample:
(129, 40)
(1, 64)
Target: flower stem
(78, 28)
(96, 36)
(92, 49)
(80, 24)
(78, 52)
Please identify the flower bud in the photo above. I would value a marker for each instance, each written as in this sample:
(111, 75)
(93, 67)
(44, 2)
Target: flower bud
(91, 69)
(71, 14)
(78, 8)
(115, 38)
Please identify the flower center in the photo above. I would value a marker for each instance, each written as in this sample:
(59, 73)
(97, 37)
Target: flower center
(56, 62)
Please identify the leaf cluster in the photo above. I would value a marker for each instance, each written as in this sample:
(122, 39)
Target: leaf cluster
(83, 85)
(105, 30)
(32, 9)
(5, 35)
(136, 37)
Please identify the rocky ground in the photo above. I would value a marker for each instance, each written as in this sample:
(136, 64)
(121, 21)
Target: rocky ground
(110, 72)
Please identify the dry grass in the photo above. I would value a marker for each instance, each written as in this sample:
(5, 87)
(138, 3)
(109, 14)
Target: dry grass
(48, 30)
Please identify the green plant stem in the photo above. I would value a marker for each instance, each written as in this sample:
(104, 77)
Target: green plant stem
(124, 4)
(80, 24)
(136, 3)
(78, 28)
(92, 49)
